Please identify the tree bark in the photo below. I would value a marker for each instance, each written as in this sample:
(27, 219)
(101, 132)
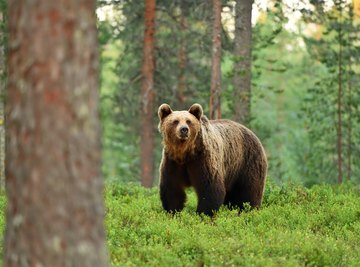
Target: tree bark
(147, 97)
(2, 90)
(242, 65)
(349, 135)
(215, 91)
(54, 186)
(182, 57)
(349, 98)
(339, 107)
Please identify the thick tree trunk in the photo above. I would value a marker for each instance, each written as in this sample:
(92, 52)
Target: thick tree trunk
(215, 91)
(147, 97)
(54, 186)
(242, 66)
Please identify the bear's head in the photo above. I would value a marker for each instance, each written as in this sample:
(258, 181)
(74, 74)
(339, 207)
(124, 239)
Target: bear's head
(179, 129)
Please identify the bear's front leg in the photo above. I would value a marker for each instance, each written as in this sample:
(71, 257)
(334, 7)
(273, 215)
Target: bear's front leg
(210, 198)
(172, 187)
(172, 198)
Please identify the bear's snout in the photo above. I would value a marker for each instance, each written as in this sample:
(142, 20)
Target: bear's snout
(184, 132)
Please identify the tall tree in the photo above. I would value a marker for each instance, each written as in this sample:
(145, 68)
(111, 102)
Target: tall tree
(147, 97)
(54, 187)
(242, 55)
(215, 90)
(340, 96)
(352, 58)
(332, 98)
(182, 55)
(2, 89)
(349, 111)
(349, 79)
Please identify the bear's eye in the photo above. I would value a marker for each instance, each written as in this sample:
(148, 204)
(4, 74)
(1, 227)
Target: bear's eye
(175, 122)
(188, 122)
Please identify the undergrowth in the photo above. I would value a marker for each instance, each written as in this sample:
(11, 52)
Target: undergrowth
(295, 226)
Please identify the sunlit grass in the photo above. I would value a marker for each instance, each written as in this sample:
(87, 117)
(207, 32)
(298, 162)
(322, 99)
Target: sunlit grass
(295, 227)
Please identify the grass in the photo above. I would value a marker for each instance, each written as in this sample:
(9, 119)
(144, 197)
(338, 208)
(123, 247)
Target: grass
(296, 226)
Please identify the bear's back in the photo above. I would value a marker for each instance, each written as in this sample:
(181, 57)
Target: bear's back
(238, 145)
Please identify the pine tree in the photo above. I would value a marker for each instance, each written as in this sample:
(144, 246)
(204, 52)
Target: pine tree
(54, 187)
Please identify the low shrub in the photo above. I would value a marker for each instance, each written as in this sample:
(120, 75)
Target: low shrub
(296, 226)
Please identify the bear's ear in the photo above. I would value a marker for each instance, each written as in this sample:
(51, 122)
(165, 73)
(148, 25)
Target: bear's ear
(196, 110)
(164, 111)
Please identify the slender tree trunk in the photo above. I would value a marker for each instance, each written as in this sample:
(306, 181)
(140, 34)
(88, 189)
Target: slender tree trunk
(2, 90)
(242, 65)
(349, 135)
(147, 97)
(54, 186)
(182, 56)
(215, 91)
(340, 108)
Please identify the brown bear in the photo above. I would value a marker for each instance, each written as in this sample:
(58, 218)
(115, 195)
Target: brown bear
(222, 160)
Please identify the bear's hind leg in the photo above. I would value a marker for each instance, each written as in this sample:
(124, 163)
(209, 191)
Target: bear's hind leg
(210, 198)
(250, 179)
(244, 192)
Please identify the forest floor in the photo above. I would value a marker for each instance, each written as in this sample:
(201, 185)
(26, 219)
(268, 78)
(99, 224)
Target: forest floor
(296, 226)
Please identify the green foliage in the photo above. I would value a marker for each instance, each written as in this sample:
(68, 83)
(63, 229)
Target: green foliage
(337, 54)
(120, 153)
(296, 226)
(294, 84)
(121, 40)
(281, 72)
(3, 12)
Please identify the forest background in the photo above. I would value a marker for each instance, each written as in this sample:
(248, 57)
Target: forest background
(304, 84)
(302, 102)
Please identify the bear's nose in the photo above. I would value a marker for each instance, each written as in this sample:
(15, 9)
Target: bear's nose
(184, 130)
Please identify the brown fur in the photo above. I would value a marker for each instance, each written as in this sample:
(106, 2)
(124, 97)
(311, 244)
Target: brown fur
(223, 160)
